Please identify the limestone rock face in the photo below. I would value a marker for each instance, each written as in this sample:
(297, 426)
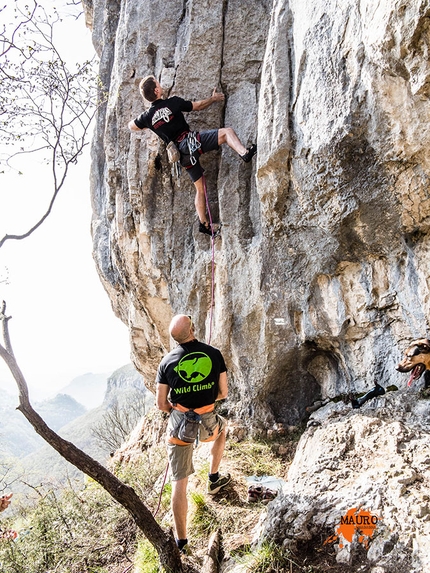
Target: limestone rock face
(377, 461)
(321, 270)
(321, 273)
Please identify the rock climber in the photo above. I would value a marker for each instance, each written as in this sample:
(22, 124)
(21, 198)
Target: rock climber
(165, 118)
(190, 379)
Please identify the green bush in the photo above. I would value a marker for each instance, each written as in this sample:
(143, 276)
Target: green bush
(71, 532)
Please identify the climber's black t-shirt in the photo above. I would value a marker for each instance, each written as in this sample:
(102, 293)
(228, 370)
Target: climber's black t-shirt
(165, 118)
(192, 372)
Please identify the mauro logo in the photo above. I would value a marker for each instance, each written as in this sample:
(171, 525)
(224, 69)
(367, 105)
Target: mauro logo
(356, 521)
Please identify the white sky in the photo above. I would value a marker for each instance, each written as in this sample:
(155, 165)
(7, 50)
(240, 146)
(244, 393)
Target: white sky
(63, 325)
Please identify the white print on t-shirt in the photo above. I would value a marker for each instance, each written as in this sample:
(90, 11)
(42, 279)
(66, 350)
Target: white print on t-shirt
(161, 114)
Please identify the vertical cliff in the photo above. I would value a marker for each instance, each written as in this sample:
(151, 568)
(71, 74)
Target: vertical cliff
(321, 270)
(320, 273)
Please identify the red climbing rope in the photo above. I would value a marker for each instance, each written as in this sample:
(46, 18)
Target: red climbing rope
(213, 262)
(161, 491)
(211, 311)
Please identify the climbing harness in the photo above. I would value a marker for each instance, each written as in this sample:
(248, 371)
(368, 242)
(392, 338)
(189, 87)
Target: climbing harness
(187, 429)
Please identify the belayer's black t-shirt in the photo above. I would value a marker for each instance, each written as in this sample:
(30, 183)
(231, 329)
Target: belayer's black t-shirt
(165, 118)
(192, 372)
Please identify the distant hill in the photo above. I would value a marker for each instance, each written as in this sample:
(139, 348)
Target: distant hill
(68, 417)
(60, 410)
(88, 389)
(17, 437)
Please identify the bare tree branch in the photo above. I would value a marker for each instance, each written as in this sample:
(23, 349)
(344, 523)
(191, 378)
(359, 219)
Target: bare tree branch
(44, 106)
(125, 495)
(7, 45)
(120, 419)
(4, 320)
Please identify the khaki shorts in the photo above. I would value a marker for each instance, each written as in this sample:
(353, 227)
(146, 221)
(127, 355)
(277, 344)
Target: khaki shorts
(181, 457)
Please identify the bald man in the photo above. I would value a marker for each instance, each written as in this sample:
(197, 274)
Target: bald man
(192, 377)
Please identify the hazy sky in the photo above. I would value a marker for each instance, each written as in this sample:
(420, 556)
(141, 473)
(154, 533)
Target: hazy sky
(62, 324)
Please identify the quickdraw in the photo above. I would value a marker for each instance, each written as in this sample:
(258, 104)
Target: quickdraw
(193, 145)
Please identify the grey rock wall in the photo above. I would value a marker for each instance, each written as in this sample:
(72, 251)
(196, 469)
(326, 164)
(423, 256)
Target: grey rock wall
(376, 461)
(321, 271)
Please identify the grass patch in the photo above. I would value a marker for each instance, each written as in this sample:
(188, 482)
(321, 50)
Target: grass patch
(267, 558)
(203, 518)
(255, 458)
(146, 558)
(203, 471)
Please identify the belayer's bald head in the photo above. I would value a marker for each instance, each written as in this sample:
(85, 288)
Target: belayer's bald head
(181, 328)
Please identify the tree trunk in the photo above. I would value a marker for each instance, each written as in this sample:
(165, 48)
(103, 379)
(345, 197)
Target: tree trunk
(212, 559)
(125, 495)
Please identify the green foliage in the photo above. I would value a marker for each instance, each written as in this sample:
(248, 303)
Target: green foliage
(146, 558)
(68, 533)
(166, 495)
(204, 519)
(143, 475)
(267, 558)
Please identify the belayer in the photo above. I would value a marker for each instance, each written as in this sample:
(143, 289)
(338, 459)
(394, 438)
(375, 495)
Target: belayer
(165, 118)
(190, 379)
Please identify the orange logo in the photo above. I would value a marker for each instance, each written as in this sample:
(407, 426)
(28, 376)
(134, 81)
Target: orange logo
(355, 521)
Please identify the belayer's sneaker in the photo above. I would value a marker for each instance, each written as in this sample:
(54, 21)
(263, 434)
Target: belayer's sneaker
(186, 550)
(222, 481)
(207, 230)
(183, 546)
(250, 152)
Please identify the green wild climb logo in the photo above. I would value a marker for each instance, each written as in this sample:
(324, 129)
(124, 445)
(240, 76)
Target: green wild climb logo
(194, 368)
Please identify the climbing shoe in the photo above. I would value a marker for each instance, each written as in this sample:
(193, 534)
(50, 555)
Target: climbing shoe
(207, 229)
(250, 152)
(222, 481)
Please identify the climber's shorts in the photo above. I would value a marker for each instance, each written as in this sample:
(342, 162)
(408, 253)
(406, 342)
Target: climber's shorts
(181, 457)
(208, 141)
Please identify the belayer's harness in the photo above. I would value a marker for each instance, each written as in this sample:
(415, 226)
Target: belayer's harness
(186, 431)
